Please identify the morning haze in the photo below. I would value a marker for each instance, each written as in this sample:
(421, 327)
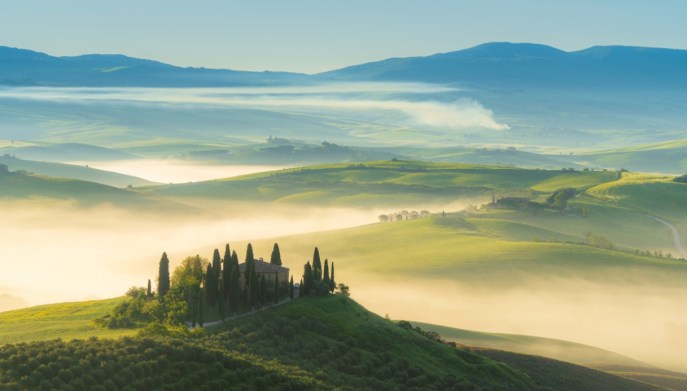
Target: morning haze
(408, 200)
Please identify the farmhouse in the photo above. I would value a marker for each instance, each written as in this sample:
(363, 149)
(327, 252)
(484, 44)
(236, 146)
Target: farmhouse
(266, 269)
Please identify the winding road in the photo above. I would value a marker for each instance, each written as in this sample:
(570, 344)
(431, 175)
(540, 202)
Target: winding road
(676, 237)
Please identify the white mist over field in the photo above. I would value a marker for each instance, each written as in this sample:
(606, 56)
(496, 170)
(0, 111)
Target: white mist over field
(176, 171)
(61, 252)
(642, 321)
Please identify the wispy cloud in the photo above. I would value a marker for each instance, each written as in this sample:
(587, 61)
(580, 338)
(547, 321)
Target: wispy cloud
(365, 97)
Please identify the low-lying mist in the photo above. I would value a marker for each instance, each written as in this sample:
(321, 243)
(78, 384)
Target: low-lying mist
(60, 252)
(645, 322)
(176, 171)
(409, 100)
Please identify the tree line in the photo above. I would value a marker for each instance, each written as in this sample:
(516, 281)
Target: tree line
(199, 290)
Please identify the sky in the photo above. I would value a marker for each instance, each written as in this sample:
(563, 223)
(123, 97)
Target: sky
(317, 35)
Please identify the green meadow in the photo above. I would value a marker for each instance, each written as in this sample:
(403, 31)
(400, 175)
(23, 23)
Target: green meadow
(65, 320)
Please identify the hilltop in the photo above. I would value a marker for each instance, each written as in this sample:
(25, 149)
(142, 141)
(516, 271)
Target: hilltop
(319, 343)
(525, 65)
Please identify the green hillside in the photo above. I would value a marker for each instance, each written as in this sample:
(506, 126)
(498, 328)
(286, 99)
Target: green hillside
(470, 250)
(547, 347)
(21, 186)
(65, 320)
(665, 157)
(385, 183)
(326, 343)
(71, 171)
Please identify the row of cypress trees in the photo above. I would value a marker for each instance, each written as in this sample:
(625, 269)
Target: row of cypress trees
(316, 280)
(221, 288)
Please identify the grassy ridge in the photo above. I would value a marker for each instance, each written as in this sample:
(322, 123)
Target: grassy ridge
(385, 183)
(65, 320)
(25, 186)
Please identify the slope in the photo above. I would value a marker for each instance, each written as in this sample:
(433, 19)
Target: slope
(65, 320)
(308, 344)
(526, 65)
(22, 186)
(72, 171)
(385, 184)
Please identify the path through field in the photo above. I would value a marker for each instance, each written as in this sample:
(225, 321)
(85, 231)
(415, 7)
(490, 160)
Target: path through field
(676, 237)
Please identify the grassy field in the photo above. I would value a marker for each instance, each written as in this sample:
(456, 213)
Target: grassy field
(65, 320)
(385, 183)
(553, 348)
(21, 186)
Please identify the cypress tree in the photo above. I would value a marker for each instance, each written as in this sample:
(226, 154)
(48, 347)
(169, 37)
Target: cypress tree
(300, 289)
(276, 287)
(221, 302)
(216, 263)
(226, 272)
(325, 277)
(307, 279)
(332, 282)
(163, 276)
(275, 259)
(316, 265)
(234, 289)
(263, 290)
(210, 286)
(253, 288)
(200, 306)
(150, 289)
(291, 288)
(249, 253)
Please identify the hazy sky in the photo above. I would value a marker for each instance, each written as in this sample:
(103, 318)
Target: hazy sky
(318, 35)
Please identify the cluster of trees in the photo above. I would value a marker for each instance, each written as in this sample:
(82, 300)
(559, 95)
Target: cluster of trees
(198, 290)
(403, 215)
(317, 281)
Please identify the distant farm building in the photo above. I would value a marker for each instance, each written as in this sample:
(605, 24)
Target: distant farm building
(266, 269)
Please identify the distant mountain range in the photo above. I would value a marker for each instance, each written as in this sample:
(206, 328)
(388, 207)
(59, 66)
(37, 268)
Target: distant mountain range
(28, 68)
(493, 65)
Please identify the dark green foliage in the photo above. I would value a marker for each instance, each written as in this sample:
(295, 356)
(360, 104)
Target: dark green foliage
(221, 301)
(332, 281)
(291, 288)
(680, 179)
(149, 293)
(234, 289)
(253, 286)
(308, 281)
(275, 291)
(163, 276)
(226, 271)
(325, 275)
(317, 265)
(141, 364)
(211, 286)
(201, 316)
(344, 290)
(559, 199)
(276, 255)
(301, 289)
(249, 253)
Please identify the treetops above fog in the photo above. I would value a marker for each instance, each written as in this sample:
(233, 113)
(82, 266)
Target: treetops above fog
(200, 290)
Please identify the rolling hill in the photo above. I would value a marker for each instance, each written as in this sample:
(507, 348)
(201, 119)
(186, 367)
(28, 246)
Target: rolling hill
(385, 184)
(83, 173)
(309, 344)
(24, 186)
